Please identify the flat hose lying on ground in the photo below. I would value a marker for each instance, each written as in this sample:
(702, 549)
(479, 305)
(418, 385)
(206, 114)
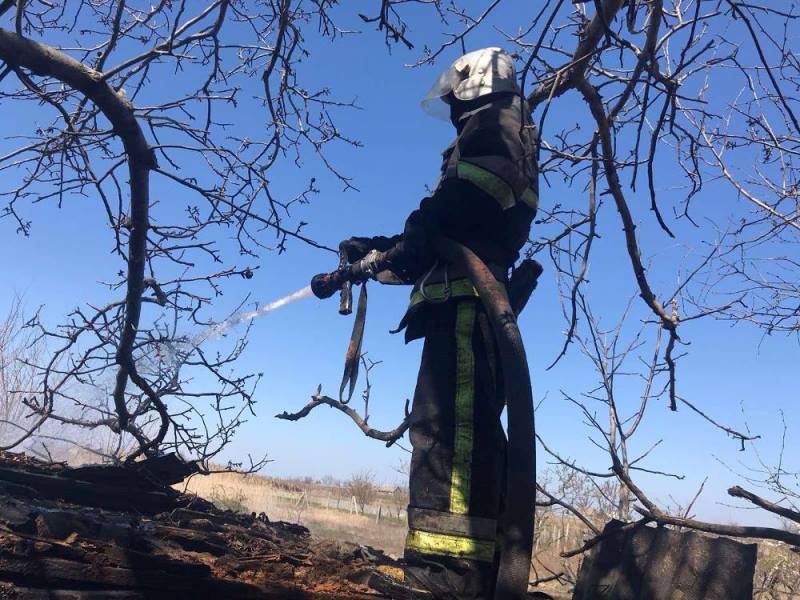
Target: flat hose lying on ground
(516, 544)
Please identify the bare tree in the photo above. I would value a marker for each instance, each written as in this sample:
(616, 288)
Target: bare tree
(19, 352)
(107, 128)
(361, 486)
(651, 81)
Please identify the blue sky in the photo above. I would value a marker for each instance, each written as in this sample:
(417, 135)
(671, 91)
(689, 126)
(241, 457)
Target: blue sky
(302, 345)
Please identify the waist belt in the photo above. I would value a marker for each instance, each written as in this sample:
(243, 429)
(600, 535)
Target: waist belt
(443, 281)
(439, 292)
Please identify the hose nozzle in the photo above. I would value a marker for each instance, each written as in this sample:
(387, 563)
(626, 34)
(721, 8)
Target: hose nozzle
(326, 285)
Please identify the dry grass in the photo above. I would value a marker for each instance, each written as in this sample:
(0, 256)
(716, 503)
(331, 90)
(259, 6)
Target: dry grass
(778, 573)
(311, 505)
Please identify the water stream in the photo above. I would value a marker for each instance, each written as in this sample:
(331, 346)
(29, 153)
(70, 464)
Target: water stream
(235, 319)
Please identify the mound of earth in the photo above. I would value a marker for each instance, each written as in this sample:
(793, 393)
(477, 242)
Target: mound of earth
(112, 532)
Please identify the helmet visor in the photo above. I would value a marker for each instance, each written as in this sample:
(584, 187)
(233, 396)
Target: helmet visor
(433, 102)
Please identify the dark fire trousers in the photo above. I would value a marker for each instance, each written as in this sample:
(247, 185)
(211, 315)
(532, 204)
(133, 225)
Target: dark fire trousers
(457, 475)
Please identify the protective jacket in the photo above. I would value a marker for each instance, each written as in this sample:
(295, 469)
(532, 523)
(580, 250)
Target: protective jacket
(486, 199)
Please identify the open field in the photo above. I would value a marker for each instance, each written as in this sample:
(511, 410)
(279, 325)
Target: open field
(327, 510)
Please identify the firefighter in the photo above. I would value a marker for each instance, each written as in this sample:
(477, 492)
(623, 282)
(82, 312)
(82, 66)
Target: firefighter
(486, 199)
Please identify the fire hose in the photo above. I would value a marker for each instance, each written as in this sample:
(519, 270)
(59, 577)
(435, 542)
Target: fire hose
(517, 521)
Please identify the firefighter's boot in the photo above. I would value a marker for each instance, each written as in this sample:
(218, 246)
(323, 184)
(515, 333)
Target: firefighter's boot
(428, 581)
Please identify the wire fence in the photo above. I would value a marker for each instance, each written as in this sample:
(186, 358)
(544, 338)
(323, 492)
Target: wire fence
(381, 509)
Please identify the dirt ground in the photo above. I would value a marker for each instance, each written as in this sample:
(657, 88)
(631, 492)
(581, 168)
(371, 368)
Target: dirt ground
(111, 533)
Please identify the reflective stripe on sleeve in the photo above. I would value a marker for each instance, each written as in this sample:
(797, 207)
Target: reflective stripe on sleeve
(530, 198)
(425, 542)
(488, 182)
(461, 475)
(496, 186)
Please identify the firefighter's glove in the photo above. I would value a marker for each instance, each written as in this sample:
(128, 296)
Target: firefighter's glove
(368, 267)
(356, 248)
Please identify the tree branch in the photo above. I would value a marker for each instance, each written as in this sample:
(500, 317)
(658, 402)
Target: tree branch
(390, 437)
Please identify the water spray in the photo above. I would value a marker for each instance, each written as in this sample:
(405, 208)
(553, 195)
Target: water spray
(215, 331)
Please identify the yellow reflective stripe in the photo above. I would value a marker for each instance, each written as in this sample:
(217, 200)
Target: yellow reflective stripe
(461, 477)
(426, 542)
(436, 291)
(487, 181)
(530, 198)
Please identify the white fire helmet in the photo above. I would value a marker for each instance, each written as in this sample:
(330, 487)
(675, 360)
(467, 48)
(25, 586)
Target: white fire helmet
(473, 75)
